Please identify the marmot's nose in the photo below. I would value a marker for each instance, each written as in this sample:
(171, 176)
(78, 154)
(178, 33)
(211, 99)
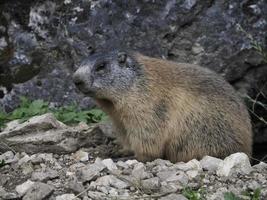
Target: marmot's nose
(77, 79)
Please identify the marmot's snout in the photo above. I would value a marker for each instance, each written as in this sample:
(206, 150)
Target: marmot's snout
(82, 81)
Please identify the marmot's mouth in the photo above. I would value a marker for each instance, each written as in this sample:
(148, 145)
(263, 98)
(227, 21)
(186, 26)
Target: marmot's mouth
(86, 91)
(89, 93)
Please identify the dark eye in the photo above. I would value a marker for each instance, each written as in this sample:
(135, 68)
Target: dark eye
(122, 57)
(100, 67)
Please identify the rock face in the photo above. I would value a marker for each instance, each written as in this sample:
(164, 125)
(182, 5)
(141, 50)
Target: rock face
(42, 41)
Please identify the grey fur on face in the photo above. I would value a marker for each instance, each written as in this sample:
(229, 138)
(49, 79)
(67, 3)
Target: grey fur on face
(103, 74)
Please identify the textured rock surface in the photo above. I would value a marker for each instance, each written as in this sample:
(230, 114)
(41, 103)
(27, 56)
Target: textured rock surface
(42, 41)
(235, 163)
(210, 163)
(67, 178)
(66, 197)
(46, 134)
(39, 191)
(24, 187)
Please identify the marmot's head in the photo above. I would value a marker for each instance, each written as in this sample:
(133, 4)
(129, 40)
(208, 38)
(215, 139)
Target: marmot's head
(107, 76)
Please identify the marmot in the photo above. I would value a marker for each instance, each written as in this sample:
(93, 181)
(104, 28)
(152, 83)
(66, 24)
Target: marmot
(163, 109)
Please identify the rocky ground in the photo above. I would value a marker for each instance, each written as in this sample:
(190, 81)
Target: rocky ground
(80, 176)
(67, 169)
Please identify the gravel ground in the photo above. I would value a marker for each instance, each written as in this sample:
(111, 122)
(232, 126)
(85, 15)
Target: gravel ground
(82, 176)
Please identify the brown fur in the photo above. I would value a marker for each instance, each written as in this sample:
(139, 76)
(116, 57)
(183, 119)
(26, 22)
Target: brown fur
(179, 112)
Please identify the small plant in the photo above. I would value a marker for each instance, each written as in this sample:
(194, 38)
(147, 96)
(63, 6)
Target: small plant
(3, 118)
(2, 163)
(253, 195)
(28, 109)
(72, 115)
(192, 194)
(68, 114)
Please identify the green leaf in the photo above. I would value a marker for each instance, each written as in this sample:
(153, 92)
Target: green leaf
(257, 194)
(82, 117)
(68, 117)
(191, 194)
(96, 112)
(24, 102)
(96, 115)
(19, 113)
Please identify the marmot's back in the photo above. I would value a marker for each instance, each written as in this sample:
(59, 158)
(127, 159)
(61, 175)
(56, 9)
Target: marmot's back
(171, 110)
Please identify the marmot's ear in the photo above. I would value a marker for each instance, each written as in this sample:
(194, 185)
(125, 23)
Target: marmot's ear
(122, 57)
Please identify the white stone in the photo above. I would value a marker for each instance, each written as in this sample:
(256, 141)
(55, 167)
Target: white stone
(197, 49)
(67, 1)
(218, 195)
(139, 172)
(253, 185)
(190, 165)
(44, 157)
(113, 192)
(131, 162)
(104, 189)
(24, 187)
(192, 173)
(7, 195)
(162, 162)
(235, 163)
(96, 195)
(81, 156)
(173, 176)
(151, 183)
(261, 166)
(111, 180)
(109, 164)
(8, 157)
(39, 191)
(171, 187)
(122, 164)
(44, 175)
(173, 196)
(24, 160)
(26, 168)
(167, 175)
(210, 163)
(66, 197)
(76, 166)
(90, 172)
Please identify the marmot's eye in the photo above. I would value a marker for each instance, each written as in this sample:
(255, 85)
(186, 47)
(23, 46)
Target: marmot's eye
(100, 67)
(122, 57)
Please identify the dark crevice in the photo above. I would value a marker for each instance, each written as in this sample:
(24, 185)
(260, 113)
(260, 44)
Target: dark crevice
(249, 69)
